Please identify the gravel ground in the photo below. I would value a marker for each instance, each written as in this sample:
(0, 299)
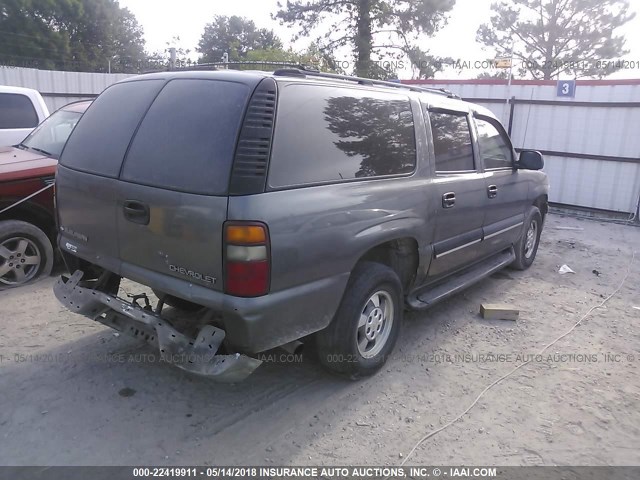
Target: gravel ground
(73, 393)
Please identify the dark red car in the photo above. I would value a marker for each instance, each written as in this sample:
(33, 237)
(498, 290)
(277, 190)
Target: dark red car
(27, 229)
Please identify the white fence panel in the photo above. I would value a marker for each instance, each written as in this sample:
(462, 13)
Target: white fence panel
(59, 88)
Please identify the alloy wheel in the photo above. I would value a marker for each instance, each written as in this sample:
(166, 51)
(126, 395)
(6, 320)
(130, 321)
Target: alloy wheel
(20, 260)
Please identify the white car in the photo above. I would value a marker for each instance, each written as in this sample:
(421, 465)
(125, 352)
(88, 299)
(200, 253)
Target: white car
(21, 110)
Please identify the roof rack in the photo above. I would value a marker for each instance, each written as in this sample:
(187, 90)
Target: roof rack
(216, 66)
(306, 72)
(223, 65)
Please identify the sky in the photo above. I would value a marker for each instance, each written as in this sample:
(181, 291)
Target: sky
(164, 19)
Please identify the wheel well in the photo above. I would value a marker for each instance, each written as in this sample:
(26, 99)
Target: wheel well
(401, 255)
(34, 214)
(542, 202)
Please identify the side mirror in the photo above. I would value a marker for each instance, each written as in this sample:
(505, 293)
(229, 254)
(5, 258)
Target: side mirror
(530, 160)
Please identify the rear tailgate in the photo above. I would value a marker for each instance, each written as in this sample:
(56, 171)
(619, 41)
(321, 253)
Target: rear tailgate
(170, 201)
(87, 178)
(178, 169)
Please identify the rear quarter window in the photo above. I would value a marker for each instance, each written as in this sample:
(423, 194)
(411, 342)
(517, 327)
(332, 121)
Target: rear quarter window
(16, 111)
(187, 138)
(329, 134)
(100, 139)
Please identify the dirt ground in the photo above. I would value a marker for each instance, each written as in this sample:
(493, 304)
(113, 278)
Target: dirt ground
(73, 393)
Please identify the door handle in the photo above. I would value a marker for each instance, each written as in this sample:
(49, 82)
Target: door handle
(448, 200)
(492, 191)
(136, 212)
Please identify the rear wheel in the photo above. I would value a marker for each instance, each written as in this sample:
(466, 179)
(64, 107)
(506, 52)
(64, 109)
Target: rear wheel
(25, 253)
(366, 326)
(527, 246)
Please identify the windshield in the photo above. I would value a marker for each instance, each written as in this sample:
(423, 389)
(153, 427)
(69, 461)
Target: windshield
(51, 135)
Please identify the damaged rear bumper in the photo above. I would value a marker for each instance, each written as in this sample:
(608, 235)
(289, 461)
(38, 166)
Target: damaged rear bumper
(194, 355)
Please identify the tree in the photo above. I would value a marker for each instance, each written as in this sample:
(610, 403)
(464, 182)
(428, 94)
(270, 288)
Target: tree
(26, 34)
(371, 28)
(310, 57)
(492, 74)
(103, 31)
(161, 59)
(82, 35)
(552, 37)
(236, 36)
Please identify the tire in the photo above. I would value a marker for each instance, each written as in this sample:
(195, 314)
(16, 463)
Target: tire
(527, 246)
(177, 303)
(350, 348)
(26, 253)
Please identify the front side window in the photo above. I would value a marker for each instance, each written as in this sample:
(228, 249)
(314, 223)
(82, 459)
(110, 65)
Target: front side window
(495, 149)
(16, 111)
(451, 142)
(326, 134)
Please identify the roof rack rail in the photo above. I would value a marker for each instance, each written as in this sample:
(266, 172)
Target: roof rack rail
(304, 72)
(217, 66)
(230, 65)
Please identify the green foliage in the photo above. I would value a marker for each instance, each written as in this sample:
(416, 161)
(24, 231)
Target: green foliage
(384, 29)
(312, 57)
(161, 59)
(236, 36)
(81, 35)
(553, 37)
(494, 74)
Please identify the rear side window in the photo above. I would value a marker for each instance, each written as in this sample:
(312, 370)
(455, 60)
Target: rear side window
(187, 139)
(451, 142)
(328, 134)
(16, 111)
(101, 137)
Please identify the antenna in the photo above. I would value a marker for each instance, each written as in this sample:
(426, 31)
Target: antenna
(526, 127)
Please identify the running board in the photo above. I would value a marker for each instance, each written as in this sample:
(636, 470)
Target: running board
(427, 296)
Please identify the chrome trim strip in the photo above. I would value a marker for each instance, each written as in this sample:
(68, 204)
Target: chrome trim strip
(503, 230)
(458, 248)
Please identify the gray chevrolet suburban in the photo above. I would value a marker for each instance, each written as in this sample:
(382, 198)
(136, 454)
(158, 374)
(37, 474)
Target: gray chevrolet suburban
(286, 206)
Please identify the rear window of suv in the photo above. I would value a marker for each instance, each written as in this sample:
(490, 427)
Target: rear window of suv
(98, 143)
(187, 138)
(330, 134)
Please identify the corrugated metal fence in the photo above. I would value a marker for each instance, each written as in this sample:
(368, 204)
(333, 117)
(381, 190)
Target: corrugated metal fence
(59, 88)
(590, 142)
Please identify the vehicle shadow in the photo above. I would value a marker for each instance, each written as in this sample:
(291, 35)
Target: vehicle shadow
(103, 399)
(114, 401)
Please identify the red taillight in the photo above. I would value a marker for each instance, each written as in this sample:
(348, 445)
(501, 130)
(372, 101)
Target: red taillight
(247, 261)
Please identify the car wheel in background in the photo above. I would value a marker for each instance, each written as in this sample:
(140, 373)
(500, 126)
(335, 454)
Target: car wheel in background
(26, 253)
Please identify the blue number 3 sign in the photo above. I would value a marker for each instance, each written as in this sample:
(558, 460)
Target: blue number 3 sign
(566, 88)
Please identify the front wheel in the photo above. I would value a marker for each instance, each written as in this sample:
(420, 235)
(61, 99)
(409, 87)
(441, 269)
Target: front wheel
(25, 253)
(366, 326)
(527, 246)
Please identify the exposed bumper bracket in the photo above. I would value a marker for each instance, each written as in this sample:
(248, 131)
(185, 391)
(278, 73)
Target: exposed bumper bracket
(194, 355)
